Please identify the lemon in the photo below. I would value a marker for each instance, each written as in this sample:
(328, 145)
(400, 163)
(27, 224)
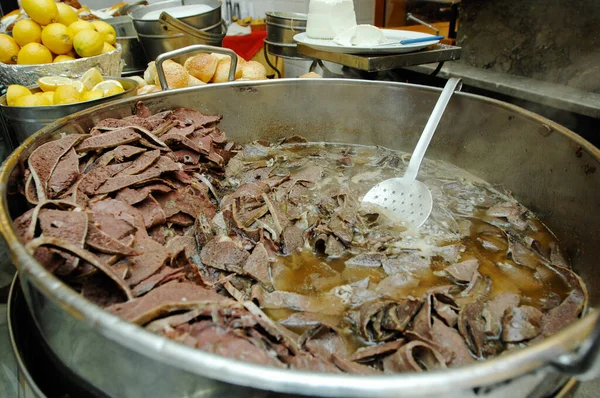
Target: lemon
(66, 14)
(79, 86)
(43, 12)
(66, 95)
(27, 31)
(51, 83)
(78, 26)
(14, 92)
(88, 43)
(63, 58)
(113, 91)
(57, 39)
(43, 100)
(107, 85)
(49, 96)
(109, 35)
(71, 54)
(9, 49)
(92, 95)
(34, 54)
(31, 100)
(91, 78)
(107, 48)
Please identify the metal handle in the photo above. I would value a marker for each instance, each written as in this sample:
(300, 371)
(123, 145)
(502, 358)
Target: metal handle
(584, 362)
(127, 8)
(191, 49)
(453, 84)
(192, 31)
(410, 17)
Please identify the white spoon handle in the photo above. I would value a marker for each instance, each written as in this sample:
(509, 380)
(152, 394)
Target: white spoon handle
(453, 84)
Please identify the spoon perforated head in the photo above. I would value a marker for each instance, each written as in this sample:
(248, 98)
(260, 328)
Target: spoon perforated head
(402, 200)
(406, 200)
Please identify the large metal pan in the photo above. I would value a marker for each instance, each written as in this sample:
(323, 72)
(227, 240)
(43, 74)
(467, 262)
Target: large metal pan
(548, 168)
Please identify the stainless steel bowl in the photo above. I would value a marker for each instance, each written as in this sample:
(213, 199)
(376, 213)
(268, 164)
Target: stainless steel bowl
(546, 166)
(24, 121)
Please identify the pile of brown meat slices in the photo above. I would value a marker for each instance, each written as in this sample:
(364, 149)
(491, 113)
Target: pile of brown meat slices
(131, 215)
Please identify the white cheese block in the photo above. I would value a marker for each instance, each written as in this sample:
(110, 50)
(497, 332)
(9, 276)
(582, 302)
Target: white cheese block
(361, 35)
(328, 18)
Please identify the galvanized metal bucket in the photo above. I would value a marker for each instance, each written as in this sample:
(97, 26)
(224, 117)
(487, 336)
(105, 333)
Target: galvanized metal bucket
(168, 33)
(281, 28)
(24, 121)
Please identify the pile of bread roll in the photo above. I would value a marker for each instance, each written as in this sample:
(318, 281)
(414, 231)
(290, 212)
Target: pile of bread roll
(200, 69)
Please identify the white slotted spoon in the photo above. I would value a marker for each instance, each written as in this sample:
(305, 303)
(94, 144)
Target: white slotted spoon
(406, 199)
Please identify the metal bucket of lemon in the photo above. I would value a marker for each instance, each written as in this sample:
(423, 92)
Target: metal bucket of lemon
(54, 64)
(53, 41)
(28, 109)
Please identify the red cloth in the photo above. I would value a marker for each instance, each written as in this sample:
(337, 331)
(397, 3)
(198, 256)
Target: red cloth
(246, 46)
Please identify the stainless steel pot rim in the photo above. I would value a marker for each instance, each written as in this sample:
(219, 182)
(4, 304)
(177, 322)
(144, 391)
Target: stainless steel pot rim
(545, 352)
(137, 14)
(272, 43)
(293, 16)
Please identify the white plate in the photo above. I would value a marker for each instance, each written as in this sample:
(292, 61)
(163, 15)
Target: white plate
(390, 34)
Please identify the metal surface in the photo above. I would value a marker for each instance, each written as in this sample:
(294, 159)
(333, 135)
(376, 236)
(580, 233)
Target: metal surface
(27, 386)
(26, 75)
(406, 199)
(194, 49)
(24, 121)
(546, 166)
(553, 95)
(133, 55)
(281, 28)
(39, 373)
(435, 53)
(157, 36)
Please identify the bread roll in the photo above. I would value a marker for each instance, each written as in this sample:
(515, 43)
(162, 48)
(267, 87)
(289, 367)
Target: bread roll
(177, 76)
(150, 73)
(192, 81)
(150, 88)
(221, 57)
(222, 72)
(311, 75)
(141, 82)
(253, 70)
(202, 66)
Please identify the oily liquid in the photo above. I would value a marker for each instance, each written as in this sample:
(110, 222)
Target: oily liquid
(308, 273)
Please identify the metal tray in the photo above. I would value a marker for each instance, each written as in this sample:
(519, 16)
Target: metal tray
(377, 63)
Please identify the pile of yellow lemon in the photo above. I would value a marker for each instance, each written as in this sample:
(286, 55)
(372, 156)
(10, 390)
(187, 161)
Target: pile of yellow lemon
(58, 90)
(54, 34)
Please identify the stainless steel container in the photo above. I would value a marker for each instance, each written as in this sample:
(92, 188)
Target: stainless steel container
(158, 36)
(26, 75)
(133, 55)
(281, 28)
(546, 166)
(24, 121)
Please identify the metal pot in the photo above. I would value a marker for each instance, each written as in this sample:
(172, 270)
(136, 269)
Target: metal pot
(547, 167)
(159, 36)
(281, 29)
(23, 121)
